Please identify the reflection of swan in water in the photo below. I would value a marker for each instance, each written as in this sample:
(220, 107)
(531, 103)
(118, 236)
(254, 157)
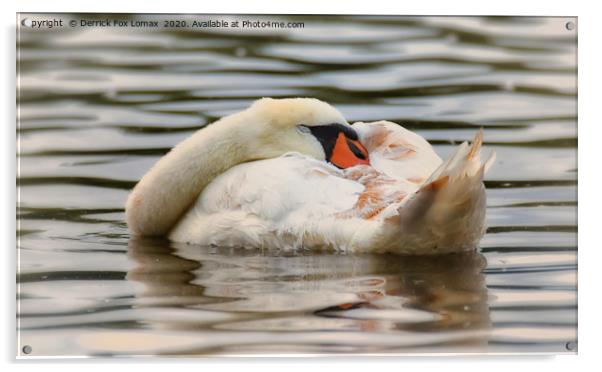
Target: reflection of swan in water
(235, 299)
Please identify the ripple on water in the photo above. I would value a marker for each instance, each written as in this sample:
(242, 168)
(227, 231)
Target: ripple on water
(97, 109)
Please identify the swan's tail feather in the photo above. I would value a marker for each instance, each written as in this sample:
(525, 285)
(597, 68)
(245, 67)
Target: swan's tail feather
(447, 213)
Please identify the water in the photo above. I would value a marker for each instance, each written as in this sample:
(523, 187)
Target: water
(99, 106)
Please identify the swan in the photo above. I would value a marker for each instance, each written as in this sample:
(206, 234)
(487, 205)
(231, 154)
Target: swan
(292, 174)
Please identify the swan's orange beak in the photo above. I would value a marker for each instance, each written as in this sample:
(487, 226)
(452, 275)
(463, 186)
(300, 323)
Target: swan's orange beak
(347, 153)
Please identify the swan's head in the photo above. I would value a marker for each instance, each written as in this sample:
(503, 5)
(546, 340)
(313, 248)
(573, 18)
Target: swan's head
(305, 125)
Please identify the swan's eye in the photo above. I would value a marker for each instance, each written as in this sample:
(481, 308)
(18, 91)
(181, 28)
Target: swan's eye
(303, 129)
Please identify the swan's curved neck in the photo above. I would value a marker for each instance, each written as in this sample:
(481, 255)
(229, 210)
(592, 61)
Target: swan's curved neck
(175, 181)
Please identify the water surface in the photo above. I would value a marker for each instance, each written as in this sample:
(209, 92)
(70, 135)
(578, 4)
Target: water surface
(98, 107)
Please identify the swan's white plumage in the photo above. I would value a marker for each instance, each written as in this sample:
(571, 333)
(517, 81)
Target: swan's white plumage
(275, 203)
(254, 179)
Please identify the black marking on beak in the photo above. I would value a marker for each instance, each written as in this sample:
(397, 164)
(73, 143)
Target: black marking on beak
(327, 136)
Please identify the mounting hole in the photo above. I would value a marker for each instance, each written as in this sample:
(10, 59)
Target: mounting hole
(27, 349)
(570, 26)
(571, 345)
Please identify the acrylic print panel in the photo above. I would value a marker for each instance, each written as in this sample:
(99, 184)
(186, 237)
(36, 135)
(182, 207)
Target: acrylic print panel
(102, 97)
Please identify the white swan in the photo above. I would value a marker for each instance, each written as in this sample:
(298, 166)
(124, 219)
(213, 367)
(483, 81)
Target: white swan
(291, 173)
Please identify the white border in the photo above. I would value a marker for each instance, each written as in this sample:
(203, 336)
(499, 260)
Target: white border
(589, 173)
(422, 7)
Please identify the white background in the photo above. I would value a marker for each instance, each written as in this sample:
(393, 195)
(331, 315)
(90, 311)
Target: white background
(590, 122)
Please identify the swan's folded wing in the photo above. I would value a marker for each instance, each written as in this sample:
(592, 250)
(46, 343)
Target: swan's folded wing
(253, 200)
